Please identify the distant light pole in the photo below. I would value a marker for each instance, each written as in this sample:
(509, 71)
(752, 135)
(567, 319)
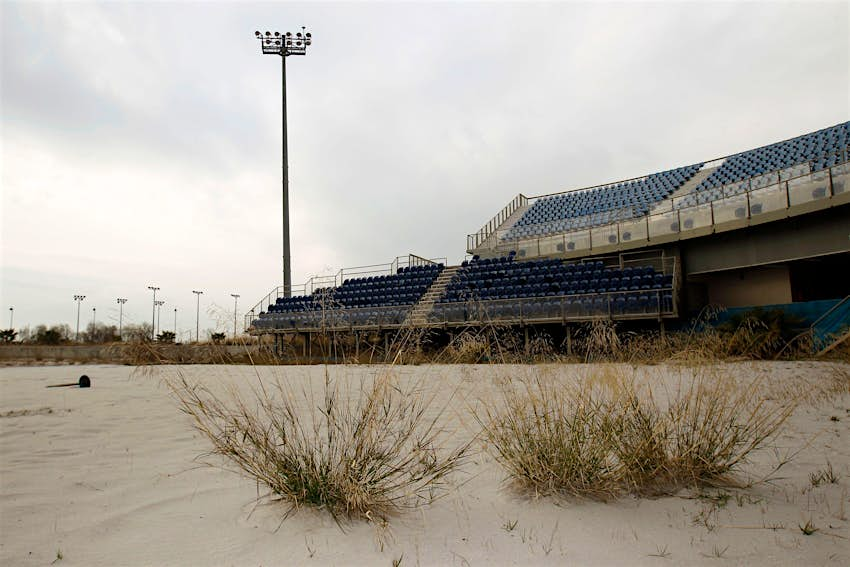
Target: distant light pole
(235, 297)
(175, 323)
(158, 305)
(121, 302)
(197, 315)
(78, 299)
(285, 45)
(11, 317)
(93, 316)
(153, 313)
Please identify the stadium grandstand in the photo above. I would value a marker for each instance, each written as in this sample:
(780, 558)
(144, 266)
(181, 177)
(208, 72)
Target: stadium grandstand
(767, 226)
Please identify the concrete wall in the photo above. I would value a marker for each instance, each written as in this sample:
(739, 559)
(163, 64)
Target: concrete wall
(807, 236)
(749, 287)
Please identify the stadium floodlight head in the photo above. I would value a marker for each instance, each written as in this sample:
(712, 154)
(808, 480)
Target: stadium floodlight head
(285, 45)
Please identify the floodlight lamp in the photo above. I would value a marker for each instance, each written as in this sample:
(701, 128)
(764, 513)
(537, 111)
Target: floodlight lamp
(258, 34)
(277, 34)
(309, 35)
(268, 33)
(298, 43)
(288, 34)
(277, 42)
(298, 34)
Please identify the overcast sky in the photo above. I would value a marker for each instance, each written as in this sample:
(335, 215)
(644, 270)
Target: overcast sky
(141, 141)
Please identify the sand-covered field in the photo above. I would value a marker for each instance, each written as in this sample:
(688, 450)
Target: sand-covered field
(108, 476)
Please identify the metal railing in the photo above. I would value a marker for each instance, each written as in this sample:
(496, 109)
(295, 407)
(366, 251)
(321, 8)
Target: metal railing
(477, 239)
(330, 281)
(540, 309)
(829, 326)
(739, 201)
(562, 308)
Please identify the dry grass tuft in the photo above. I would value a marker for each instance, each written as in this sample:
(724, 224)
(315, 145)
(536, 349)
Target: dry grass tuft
(366, 452)
(602, 436)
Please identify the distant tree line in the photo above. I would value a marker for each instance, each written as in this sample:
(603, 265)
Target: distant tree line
(94, 333)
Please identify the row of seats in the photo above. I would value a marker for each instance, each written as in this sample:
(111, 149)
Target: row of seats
(770, 164)
(405, 287)
(643, 303)
(333, 317)
(504, 278)
(603, 205)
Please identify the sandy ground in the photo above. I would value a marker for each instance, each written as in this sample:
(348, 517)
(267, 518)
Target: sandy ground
(107, 476)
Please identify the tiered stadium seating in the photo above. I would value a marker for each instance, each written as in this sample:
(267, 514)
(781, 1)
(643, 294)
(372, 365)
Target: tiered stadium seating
(764, 166)
(375, 300)
(487, 286)
(583, 209)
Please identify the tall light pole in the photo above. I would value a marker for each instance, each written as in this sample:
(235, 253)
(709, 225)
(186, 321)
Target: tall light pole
(11, 317)
(285, 45)
(121, 302)
(197, 315)
(175, 323)
(153, 312)
(158, 305)
(78, 299)
(235, 297)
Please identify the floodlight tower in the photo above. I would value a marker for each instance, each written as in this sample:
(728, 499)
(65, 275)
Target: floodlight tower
(11, 317)
(197, 315)
(285, 45)
(154, 289)
(159, 305)
(78, 299)
(235, 297)
(121, 302)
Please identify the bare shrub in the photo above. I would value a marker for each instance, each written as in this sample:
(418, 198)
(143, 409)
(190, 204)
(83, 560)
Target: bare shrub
(601, 341)
(714, 424)
(603, 435)
(366, 452)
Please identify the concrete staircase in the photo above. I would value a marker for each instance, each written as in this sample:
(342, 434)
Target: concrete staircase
(419, 314)
(686, 188)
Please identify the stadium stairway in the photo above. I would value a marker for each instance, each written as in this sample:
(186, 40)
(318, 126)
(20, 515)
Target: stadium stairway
(689, 186)
(419, 314)
(503, 228)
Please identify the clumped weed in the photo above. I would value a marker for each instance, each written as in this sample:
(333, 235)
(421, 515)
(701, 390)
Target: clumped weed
(366, 452)
(603, 436)
(809, 528)
(826, 475)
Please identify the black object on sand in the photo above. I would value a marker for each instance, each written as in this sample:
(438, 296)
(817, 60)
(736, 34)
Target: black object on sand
(83, 382)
